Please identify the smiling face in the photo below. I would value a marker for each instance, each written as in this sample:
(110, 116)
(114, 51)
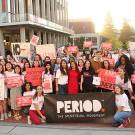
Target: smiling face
(121, 72)
(117, 90)
(8, 66)
(17, 70)
(64, 64)
(39, 90)
(87, 64)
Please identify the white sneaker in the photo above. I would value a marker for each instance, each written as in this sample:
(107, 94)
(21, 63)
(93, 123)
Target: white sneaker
(2, 117)
(9, 114)
(42, 120)
(28, 120)
(6, 116)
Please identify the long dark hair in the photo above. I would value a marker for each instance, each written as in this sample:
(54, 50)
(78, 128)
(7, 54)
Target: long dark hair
(76, 66)
(91, 69)
(2, 72)
(10, 64)
(24, 87)
(109, 66)
(126, 77)
(24, 69)
(36, 93)
(46, 71)
(61, 68)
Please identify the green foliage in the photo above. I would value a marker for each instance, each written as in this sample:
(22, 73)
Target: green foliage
(126, 33)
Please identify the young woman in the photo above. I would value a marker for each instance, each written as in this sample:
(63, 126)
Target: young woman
(73, 78)
(62, 78)
(36, 64)
(8, 71)
(38, 58)
(3, 100)
(123, 80)
(25, 66)
(121, 117)
(16, 92)
(106, 65)
(80, 64)
(87, 78)
(47, 76)
(36, 110)
(126, 64)
(28, 91)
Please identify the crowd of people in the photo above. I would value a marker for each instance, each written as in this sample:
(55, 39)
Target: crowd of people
(69, 74)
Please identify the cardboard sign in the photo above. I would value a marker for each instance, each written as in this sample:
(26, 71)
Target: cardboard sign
(21, 49)
(34, 75)
(83, 107)
(14, 80)
(47, 86)
(2, 88)
(46, 50)
(111, 61)
(34, 40)
(72, 49)
(106, 46)
(87, 44)
(96, 81)
(133, 78)
(24, 101)
(108, 79)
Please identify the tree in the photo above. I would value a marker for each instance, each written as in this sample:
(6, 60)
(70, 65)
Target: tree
(125, 33)
(108, 29)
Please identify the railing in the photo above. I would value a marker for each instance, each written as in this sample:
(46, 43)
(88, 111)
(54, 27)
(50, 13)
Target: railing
(14, 18)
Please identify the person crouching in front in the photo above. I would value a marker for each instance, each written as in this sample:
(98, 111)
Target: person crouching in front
(36, 112)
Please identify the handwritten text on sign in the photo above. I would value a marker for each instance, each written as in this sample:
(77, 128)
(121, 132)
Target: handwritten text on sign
(108, 79)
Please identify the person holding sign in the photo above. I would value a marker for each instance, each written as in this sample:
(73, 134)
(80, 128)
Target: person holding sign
(62, 78)
(16, 92)
(121, 117)
(87, 75)
(36, 112)
(47, 78)
(3, 95)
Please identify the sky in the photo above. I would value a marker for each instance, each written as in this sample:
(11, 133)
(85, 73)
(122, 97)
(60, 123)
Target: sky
(97, 10)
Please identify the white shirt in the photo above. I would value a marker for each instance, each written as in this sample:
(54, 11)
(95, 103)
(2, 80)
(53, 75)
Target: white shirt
(62, 79)
(29, 93)
(126, 85)
(122, 100)
(38, 100)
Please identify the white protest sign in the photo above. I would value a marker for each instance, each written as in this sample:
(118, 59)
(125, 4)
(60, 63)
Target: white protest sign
(96, 80)
(21, 49)
(46, 50)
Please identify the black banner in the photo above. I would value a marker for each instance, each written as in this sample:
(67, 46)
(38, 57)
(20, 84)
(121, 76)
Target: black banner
(88, 107)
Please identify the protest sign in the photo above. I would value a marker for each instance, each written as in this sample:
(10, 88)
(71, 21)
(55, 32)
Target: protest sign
(14, 80)
(34, 75)
(72, 49)
(21, 49)
(23, 101)
(87, 44)
(2, 88)
(106, 46)
(34, 40)
(108, 79)
(46, 50)
(133, 78)
(47, 86)
(83, 107)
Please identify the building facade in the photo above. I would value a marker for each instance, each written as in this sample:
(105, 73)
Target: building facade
(21, 19)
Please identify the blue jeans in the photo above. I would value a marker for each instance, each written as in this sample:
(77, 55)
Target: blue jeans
(119, 117)
(62, 89)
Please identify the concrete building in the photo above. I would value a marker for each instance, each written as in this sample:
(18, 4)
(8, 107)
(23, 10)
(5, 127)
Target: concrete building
(85, 28)
(20, 19)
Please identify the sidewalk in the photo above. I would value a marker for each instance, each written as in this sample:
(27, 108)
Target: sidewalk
(59, 129)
